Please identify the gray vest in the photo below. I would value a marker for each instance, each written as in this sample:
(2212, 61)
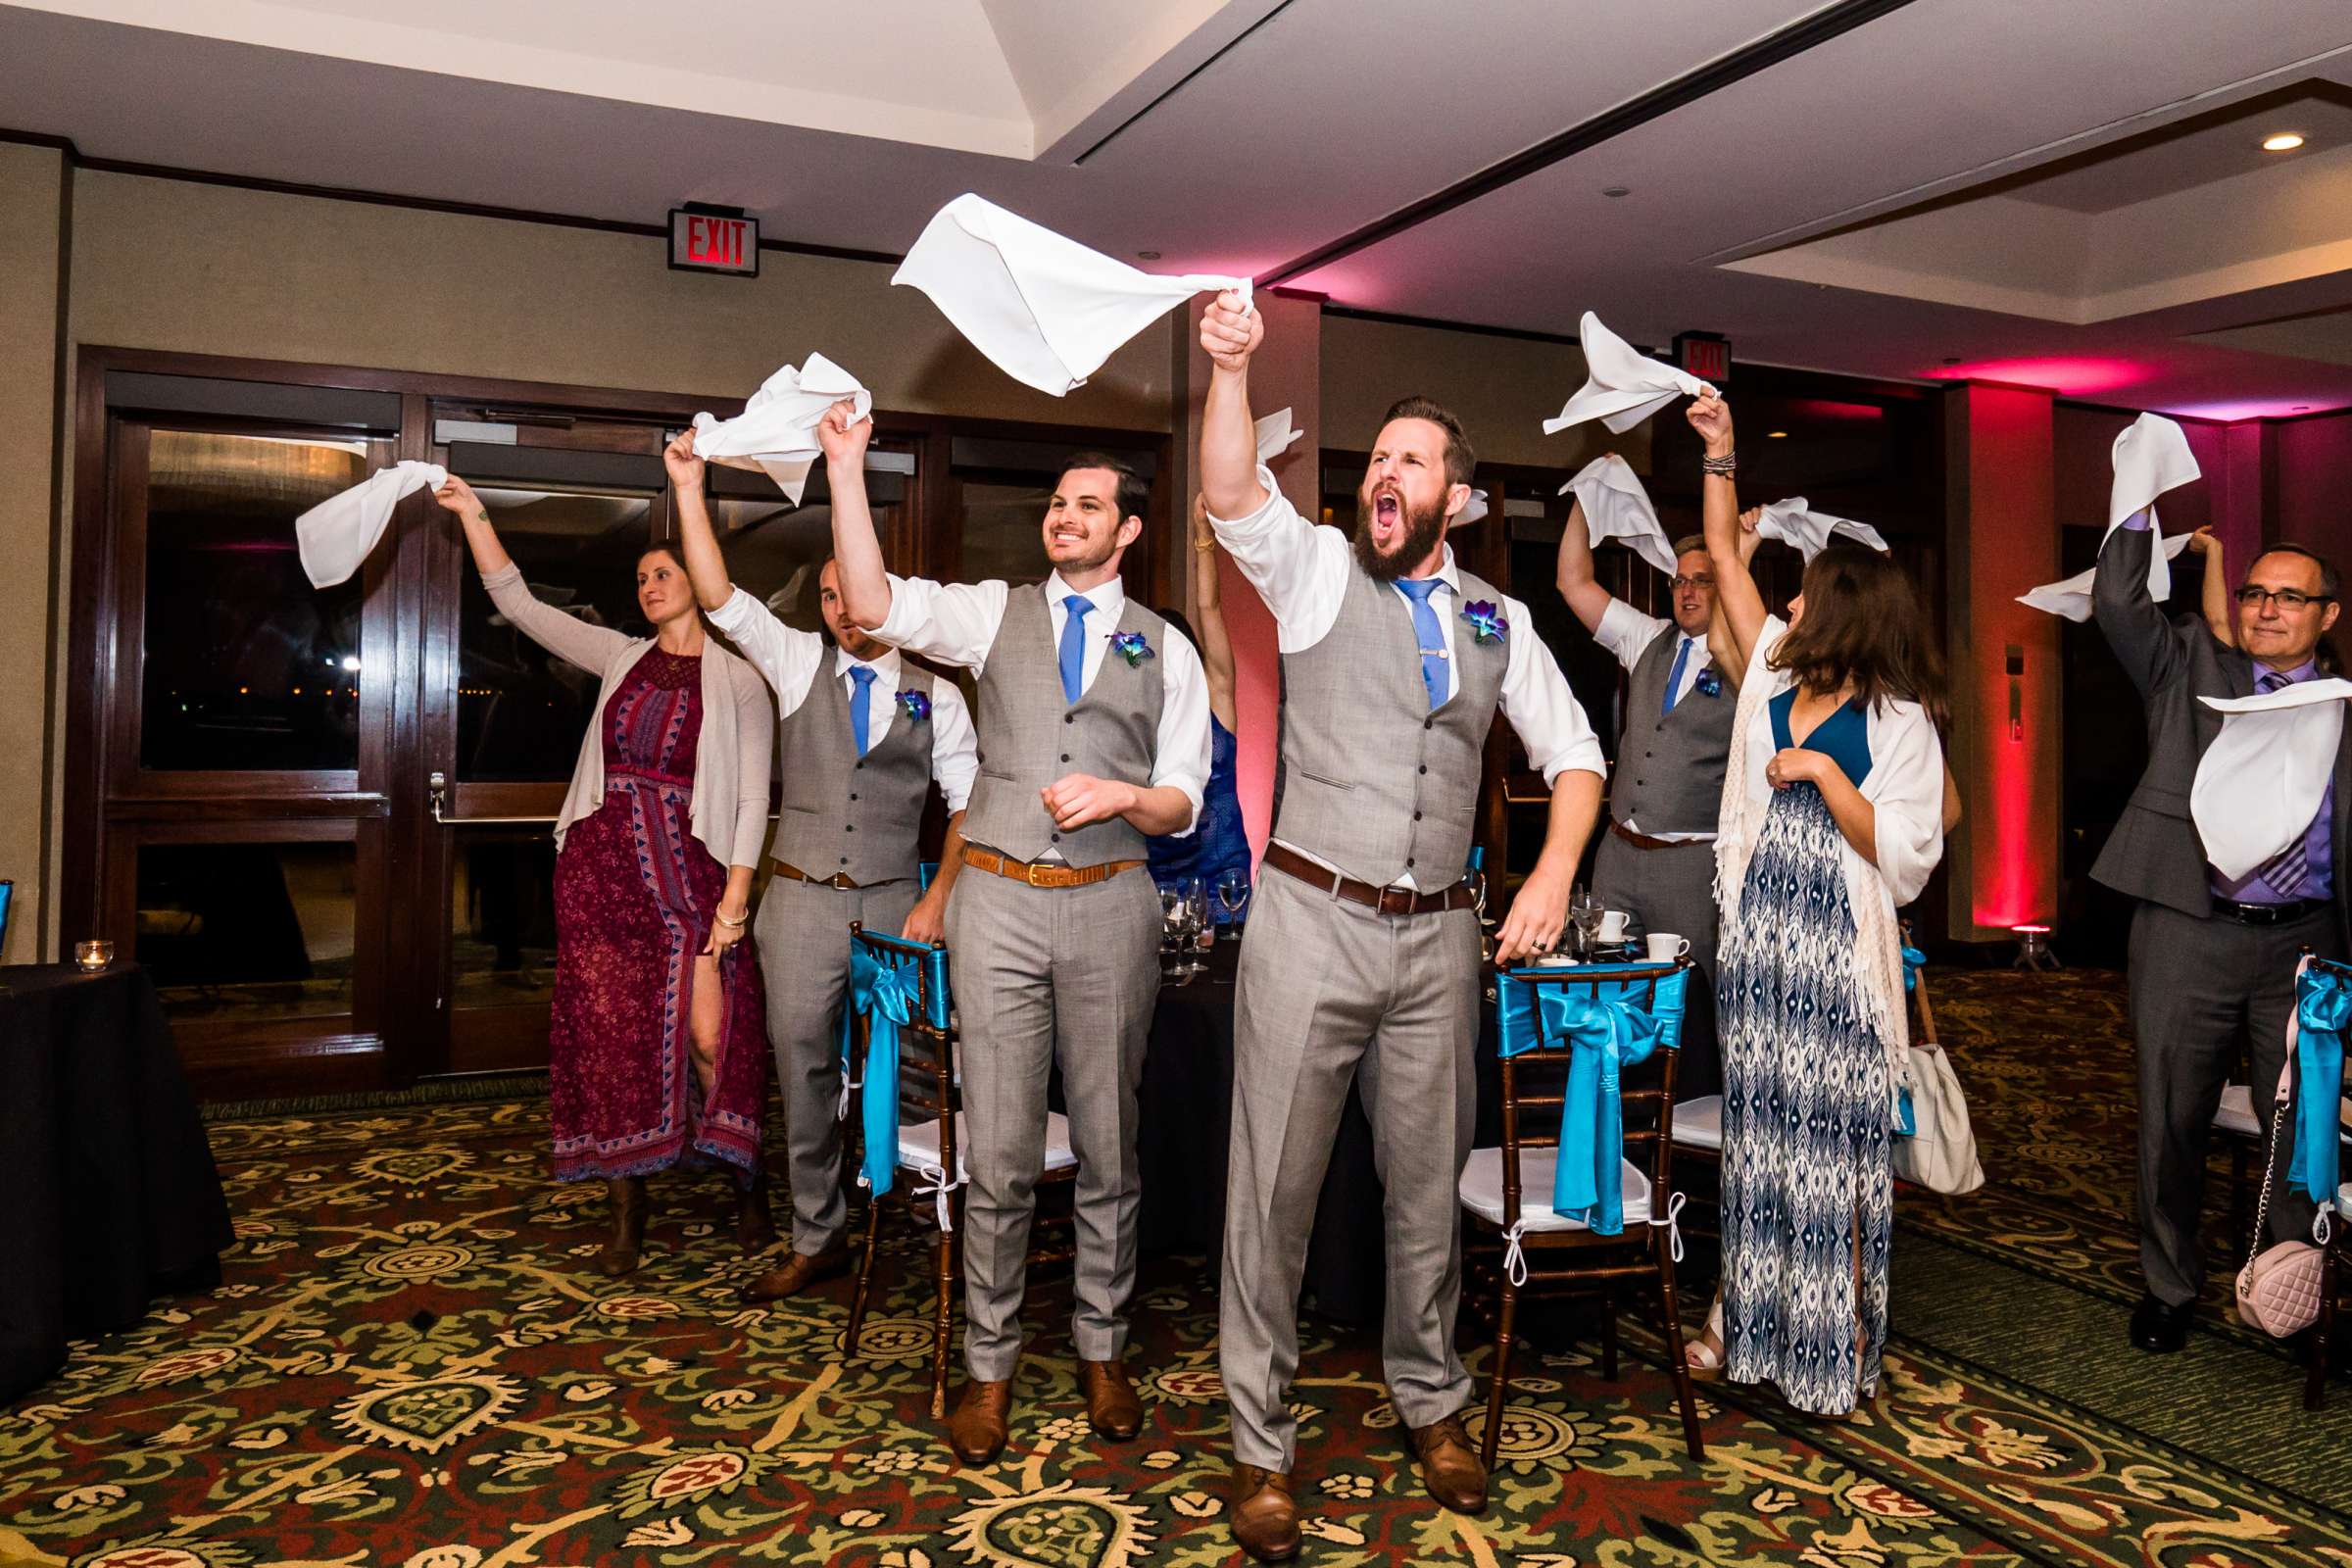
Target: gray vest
(1670, 768)
(1030, 736)
(856, 816)
(1374, 781)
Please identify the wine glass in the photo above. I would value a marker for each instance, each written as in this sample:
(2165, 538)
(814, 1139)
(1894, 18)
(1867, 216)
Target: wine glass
(1171, 919)
(1232, 897)
(1585, 911)
(1195, 926)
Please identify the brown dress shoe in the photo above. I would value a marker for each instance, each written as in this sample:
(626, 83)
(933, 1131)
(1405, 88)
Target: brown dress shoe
(796, 1273)
(1265, 1521)
(976, 1431)
(1111, 1407)
(1450, 1466)
(624, 1197)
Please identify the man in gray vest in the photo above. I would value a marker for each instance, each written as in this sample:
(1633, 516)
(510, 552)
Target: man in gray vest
(1094, 725)
(1657, 863)
(1361, 958)
(862, 736)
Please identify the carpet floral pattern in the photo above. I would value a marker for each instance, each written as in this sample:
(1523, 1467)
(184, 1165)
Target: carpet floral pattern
(411, 1363)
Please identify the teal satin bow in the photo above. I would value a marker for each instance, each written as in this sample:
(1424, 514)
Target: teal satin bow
(1607, 1030)
(886, 990)
(2323, 1010)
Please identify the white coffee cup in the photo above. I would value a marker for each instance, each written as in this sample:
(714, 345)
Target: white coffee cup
(1612, 926)
(1665, 947)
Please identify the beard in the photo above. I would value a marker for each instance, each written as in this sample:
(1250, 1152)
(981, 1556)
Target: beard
(1419, 535)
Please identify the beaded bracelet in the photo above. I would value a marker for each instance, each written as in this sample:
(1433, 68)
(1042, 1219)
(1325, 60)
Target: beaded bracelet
(1725, 466)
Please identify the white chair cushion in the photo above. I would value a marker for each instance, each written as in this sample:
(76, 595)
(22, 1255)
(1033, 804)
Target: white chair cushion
(1481, 1190)
(918, 1146)
(1698, 1123)
(2235, 1113)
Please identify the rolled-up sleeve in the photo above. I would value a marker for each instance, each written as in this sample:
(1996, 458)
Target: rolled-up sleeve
(1180, 759)
(787, 656)
(756, 745)
(954, 746)
(955, 623)
(1905, 790)
(1299, 568)
(1542, 712)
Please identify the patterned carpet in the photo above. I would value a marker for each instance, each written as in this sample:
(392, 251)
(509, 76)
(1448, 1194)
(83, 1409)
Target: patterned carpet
(410, 1366)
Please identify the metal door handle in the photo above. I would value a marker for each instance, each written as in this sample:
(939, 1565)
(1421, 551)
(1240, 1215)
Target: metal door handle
(436, 791)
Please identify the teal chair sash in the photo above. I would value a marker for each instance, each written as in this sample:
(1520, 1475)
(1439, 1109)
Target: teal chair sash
(2322, 1008)
(887, 989)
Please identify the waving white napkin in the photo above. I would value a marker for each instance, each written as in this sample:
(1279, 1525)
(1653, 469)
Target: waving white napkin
(1275, 436)
(2260, 782)
(1793, 522)
(1471, 509)
(335, 535)
(1622, 388)
(1616, 507)
(775, 435)
(2150, 455)
(1046, 309)
(2072, 598)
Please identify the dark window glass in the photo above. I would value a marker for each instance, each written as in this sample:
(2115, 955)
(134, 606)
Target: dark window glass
(236, 932)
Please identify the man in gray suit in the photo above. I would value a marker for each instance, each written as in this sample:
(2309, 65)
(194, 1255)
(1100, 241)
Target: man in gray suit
(2212, 959)
(1094, 733)
(1658, 860)
(1361, 958)
(862, 736)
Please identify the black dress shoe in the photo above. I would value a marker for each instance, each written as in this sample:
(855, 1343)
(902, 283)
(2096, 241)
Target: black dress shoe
(2160, 1326)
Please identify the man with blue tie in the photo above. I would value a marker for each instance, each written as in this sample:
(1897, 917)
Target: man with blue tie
(1094, 727)
(2213, 958)
(863, 735)
(1361, 961)
(1658, 860)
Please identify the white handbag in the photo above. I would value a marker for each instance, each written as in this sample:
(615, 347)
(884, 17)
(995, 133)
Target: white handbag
(1940, 1152)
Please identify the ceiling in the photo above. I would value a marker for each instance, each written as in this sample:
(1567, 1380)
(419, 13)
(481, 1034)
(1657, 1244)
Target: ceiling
(2063, 196)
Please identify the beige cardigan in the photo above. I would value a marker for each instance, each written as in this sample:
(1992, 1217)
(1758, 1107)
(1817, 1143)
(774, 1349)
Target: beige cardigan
(731, 756)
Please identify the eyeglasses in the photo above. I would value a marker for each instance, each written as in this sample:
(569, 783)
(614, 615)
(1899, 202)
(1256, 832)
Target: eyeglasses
(2288, 599)
(1679, 584)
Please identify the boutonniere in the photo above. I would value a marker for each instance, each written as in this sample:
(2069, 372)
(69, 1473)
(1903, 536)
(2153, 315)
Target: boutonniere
(1709, 684)
(914, 704)
(1487, 620)
(1130, 645)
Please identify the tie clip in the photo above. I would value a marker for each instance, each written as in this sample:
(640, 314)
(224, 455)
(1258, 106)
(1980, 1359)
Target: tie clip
(1434, 652)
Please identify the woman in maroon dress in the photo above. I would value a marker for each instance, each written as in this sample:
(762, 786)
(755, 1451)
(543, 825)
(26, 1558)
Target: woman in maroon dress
(658, 1049)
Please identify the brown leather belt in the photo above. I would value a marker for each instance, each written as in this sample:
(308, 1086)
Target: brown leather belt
(838, 879)
(1387, 900)
(1642, 841)
(1043, 873)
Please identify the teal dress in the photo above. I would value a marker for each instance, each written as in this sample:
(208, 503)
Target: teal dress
(1807, 1122)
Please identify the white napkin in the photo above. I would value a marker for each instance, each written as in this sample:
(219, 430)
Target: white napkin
(2150, 455)
(1793, 522)
(775, 435)
(1275, 436)
(1616, 507)
(1046, 309)
(335, 535)
(1471, 509)
(1622, 388)
(2260, 782)
(2072, 598)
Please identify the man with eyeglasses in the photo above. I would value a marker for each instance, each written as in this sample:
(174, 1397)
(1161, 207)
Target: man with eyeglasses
(1657, 860)
(2213, 959)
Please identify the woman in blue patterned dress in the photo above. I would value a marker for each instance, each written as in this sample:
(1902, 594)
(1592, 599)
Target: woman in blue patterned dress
(1218, 842)
(1833, 814)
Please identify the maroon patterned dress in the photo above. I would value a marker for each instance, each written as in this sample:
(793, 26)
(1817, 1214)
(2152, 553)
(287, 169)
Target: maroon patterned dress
(634, 896)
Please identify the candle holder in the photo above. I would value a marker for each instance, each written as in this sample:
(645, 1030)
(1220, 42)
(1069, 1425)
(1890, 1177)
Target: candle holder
(92, 957)
(2034, 948)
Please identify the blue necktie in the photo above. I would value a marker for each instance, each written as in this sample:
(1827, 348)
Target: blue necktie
(1673, 676)
(1075, 609)
(1431, 634)
(864, 679)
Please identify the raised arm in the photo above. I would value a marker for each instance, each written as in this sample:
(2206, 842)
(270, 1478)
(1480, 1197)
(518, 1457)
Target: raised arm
(568, 637)
(1721, 649)
(856, 551)
(705, 566)
(1216, 647)
(2134, 624)
(1230, 332)
(1736, 594)
(1583, 591)
(2213, 590)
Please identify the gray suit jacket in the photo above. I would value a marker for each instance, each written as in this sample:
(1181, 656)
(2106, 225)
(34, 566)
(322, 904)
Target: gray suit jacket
(2154, 852)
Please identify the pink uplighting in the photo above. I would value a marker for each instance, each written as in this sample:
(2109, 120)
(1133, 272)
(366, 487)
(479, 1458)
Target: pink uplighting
(2030, 930)
(2071, 376)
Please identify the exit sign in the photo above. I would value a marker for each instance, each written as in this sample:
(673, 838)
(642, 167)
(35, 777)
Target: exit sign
(705, 239)
(1706, 354)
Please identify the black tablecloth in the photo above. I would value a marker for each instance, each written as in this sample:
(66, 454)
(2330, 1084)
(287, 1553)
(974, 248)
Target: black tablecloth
(1187, 1134)
(111, 1196)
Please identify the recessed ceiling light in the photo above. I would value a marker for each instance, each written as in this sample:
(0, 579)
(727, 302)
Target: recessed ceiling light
(1615, 191)
(2301, 406)
(1146, 256)
(2286, 141)
(1776, 435)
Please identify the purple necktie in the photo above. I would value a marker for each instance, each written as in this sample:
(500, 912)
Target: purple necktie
(2282, 873)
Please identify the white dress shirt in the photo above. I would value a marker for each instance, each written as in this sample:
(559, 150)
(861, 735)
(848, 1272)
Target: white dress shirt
(1626, 632)
(789, 658)
(1300, 569)
(957, 623)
